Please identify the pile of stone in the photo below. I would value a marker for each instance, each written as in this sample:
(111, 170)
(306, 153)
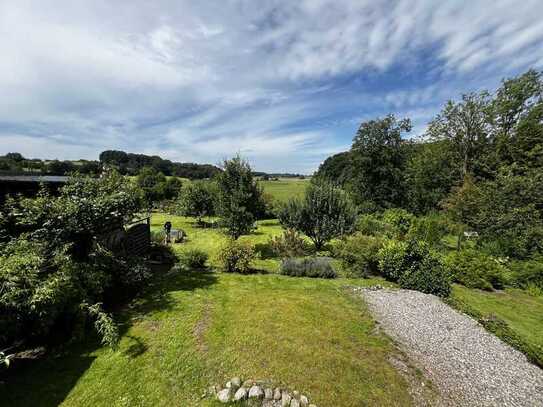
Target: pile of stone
(258, 394)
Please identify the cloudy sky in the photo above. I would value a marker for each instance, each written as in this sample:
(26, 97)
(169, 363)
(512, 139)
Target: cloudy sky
(285, 83)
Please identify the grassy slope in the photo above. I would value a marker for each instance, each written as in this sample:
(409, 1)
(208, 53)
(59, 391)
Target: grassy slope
(195, 328)
(523, 312)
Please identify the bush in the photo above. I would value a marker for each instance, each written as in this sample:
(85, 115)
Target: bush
(391, 259)
(195, 258)
(474, 269)
(399, 221)
(319, 267)
(431, 229)
(371, 225)
(359, 254)
(528, 274)
(236, 257)
(289, 244)
(414, 266)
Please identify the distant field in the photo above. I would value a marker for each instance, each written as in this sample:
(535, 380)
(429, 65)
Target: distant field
(284, 189)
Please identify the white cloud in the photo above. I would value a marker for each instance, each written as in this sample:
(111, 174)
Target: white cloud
(213, 78)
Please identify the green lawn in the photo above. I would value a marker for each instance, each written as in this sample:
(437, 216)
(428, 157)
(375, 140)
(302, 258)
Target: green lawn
(192, 329)
(284, 189)
(522, 311)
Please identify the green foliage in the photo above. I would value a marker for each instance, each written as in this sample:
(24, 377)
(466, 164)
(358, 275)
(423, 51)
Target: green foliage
(399, 221)
(316, 267)
(359, 254)
(371, 225)
(239, 197)
(378, 155)
(475, 269)
(195, 258)
(325, 213)
(197, 199)
(52, 270)
(156, 187)
(414, 266)
(430, 228)
(289, 244)
(528, 273)
(237, 257)
(337, 168)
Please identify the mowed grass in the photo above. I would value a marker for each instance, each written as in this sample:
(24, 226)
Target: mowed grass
(192, 329)
(522, 311)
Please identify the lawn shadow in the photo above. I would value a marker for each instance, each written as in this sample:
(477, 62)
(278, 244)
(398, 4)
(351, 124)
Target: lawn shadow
(48, 381)
(265, 251)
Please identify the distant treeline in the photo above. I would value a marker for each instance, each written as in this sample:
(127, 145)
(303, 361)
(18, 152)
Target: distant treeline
(125, 163)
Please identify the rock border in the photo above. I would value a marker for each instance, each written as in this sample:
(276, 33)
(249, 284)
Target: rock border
(257, 393)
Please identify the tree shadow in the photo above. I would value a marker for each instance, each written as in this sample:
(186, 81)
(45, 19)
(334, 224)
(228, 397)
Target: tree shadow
(48, 381)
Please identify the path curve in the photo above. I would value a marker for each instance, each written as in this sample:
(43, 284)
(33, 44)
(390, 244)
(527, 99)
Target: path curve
(469, 366)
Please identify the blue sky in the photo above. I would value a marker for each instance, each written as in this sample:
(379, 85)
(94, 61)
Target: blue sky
(285, 83)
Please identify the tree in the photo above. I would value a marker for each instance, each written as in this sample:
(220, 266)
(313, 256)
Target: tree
(198, 199)
(326, 212)
(338, 168)
(465, 125)
(239, 197)
(378, 155)
(152, 183)
(17, 157)
(430, 174)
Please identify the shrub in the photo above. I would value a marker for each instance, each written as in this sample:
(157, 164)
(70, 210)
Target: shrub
(431, 228)
(289, 244)
(195, 258)
(414, 266)
(326, 212)
(528, 273)
(157, 237)
(319, 267)
(371, 225)
(391, 259)
(399, 221)
(359, 254)
(474, 269)
(236, 257)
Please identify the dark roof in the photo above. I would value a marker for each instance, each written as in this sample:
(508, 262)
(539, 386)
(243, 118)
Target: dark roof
(34, 178)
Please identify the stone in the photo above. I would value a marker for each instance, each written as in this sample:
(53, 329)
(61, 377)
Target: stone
(256, 392)
(312, 405)
(285, 399)
(294, 403)
(236, 382)
(224, 395)
(296, 394)
(277, 394)
(268, 393)
(248, 383)
(241, 394)
(212, 390)
(304, 401)
(268, 403)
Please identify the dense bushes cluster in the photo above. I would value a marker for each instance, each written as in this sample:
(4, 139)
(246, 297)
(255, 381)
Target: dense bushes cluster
(237, 257)
(55, 276)
(475, 269)
(289, 244)
(359, 254)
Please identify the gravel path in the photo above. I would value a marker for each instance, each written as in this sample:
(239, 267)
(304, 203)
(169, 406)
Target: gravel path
(468, 365)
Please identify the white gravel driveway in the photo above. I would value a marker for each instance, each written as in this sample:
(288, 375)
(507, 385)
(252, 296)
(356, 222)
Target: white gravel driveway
(468, 365)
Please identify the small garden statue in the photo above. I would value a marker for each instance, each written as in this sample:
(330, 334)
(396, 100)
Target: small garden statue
(167, 230)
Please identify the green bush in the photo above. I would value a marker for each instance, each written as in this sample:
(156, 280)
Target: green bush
(399, 221)
(529, 273)
(431, 228)
(317, 267)
(391, 259)
(371, 225)
(236, 257)
(195, 258)
(359, 254)
(475, 269)
(414, 266)
(289, 244)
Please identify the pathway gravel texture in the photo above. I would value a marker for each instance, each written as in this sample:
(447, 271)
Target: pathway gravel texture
(468, 365)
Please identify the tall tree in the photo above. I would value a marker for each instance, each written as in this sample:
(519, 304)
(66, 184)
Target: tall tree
(378, 156)
(465, 125)
(239, 197)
